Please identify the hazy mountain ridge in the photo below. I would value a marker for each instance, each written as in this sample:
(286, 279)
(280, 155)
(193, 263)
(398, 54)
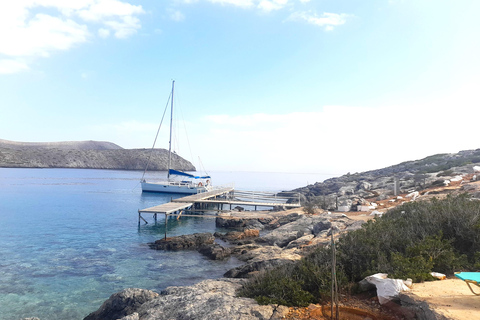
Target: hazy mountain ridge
(85, 155)
(80, 145)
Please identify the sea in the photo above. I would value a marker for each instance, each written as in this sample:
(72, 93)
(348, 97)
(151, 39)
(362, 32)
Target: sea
(70, 238)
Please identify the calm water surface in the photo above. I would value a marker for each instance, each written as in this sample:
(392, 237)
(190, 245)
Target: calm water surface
(70, 238)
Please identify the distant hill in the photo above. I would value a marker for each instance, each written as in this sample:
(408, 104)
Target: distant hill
(85, 155)
(79, 145)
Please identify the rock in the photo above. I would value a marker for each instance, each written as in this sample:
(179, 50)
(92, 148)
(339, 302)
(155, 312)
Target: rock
(238, 235)
(121, 304)
(215, 251)
(247, 269)
(324, 224)
(355, 225)
(260, 258)
(230, 222)
(189, 241)
(415, 309)
(254, 224)
(300, 242)
(133, 316)
(283, 235)
(282, 220)
(209, 299)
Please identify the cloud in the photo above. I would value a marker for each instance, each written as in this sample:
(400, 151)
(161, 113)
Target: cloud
(103, 33)
(38, 28)
(238, 3)
(271, 5)
(9, 66)
(337, 139)
(264, 5)
(176, 15)
(326, 20)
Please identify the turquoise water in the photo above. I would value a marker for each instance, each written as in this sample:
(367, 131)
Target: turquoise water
(70, 238)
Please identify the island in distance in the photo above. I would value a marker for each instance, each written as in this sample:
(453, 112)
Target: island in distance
(85, 155)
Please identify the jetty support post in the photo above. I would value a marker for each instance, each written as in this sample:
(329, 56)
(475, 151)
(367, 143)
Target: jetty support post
(166, 216)
(140, 217)
(179, 214)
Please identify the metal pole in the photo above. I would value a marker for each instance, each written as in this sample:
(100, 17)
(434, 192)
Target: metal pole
(170, 141)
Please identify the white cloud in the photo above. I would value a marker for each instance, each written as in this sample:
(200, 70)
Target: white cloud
(326, 20)
(9, 66)
(37, 28)
(238, 3)
(270, 5)
(264, 5)
(176, 15)
(103, 33)
(338, 139)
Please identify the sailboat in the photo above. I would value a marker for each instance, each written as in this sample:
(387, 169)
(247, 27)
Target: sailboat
(177, 181)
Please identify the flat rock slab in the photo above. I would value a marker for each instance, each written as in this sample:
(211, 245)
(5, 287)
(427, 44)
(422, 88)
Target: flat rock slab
(209, 299)
(189, 241)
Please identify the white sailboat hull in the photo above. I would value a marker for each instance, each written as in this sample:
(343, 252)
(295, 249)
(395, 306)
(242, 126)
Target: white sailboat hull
(171, 187)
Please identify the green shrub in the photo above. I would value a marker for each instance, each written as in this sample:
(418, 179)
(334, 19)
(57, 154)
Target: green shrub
(410, 241)
(280, 285)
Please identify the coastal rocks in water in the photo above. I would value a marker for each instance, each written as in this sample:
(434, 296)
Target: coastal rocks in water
(189, 241)
(209, 299)
(238, 235)
(215, 251)
(121, 304)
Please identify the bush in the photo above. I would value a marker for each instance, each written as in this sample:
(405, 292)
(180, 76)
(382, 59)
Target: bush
(409, 241)
(298, 284)
(277, 286)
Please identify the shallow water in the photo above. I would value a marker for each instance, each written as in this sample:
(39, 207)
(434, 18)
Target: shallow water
(70, 238)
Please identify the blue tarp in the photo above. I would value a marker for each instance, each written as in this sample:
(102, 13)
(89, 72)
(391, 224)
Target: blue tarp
(180, 173)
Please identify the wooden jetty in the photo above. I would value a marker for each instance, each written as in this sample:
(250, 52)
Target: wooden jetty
(219, 197)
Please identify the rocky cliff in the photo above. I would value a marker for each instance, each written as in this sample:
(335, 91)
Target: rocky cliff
(85, 155)
(352, 190)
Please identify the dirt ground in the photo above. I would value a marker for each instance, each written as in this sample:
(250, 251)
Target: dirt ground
(450, 297)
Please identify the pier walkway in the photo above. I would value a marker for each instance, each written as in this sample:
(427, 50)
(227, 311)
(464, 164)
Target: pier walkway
(218, 197)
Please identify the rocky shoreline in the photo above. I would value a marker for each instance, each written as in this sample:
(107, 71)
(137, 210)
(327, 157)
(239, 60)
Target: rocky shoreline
(286, 237)
(261, 240)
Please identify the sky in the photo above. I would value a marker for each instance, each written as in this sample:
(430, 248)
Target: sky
(320, 86)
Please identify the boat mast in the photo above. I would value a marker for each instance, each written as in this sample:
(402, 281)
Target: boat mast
(170, 142)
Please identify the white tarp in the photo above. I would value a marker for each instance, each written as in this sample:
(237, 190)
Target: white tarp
(387, 289)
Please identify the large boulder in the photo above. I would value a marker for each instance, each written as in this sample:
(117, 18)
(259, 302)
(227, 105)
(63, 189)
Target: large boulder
(189, 241)
(260, 258)
(121, 304)
(209, 299)
(215, 251)
(283, 235)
